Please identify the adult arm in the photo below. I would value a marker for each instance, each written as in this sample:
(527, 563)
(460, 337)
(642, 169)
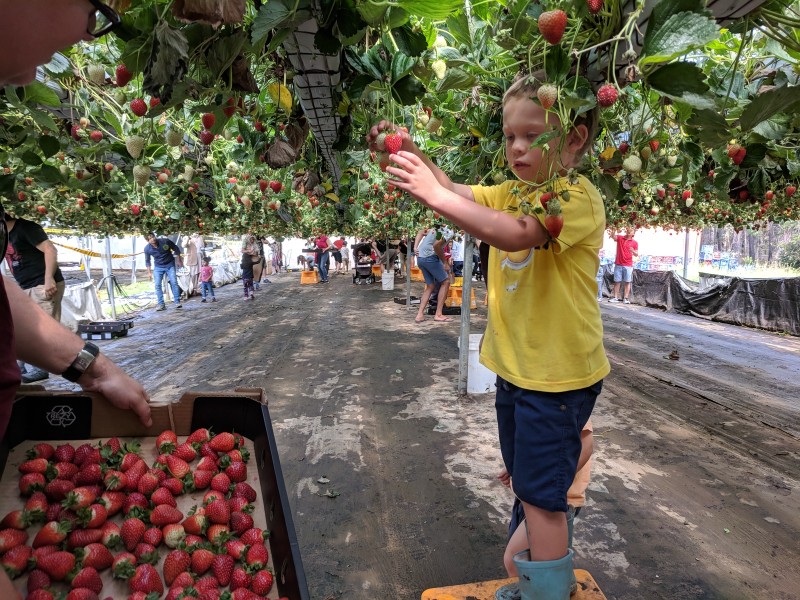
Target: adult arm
(147, 261)
(36, 330)
(50, 266)
(438, 248)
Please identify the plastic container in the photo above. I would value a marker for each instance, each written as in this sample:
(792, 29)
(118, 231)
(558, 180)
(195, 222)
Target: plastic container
(480, 380)
(387, 280)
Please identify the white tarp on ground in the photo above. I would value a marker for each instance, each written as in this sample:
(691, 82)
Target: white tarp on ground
(80, 304)
(224, 273)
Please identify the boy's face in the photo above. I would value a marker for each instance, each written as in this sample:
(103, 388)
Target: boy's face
(523, 122)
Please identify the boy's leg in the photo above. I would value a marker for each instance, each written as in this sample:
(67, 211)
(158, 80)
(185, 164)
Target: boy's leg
(517, 543)
(423, 303)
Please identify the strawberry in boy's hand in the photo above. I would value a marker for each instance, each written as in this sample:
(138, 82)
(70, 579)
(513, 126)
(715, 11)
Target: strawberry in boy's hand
(393, 142)
(554, 220)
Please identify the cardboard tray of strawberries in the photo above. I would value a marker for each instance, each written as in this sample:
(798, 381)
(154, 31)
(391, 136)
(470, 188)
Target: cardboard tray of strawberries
(207, 509)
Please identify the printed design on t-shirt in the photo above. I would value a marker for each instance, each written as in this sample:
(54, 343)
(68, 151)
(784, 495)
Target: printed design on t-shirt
(13, 258)
(61, 415)
(516, 261)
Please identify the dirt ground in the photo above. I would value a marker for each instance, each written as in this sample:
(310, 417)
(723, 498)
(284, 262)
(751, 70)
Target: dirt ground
(695, 477)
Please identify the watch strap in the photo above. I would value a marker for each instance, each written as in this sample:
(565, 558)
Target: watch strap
(81, 362)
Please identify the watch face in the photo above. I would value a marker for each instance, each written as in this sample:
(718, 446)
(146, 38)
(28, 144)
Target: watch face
(83, 360)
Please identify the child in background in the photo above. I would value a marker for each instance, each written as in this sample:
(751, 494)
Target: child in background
(206, 275)
(247, 277)
(544, 336)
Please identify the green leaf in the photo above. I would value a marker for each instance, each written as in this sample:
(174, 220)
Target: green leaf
(408, 90)
(31, 158)
(557, 64)
(577, 96)
(43, 120)
(112, 120)
(49, 174)
(168, 62)
(136, 52)
(543, 139)
(401, 65)
(371, 12)
(326, 42)
(222, 54)
(771, 129)
(677, 35)
(609, 186)
(358, 84)
(768, 104)
(755, 154)
(49, 145)
(409, 41)
(693, 157)
(7, 183)
(713, 128)
(437, 10)
(272, 15)
(456, 79)
(683, 82)
(458, 26)
(39, 93)
(349, 22)
(758, 183)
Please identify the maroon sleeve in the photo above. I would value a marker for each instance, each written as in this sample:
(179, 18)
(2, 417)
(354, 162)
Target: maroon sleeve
(9, 371)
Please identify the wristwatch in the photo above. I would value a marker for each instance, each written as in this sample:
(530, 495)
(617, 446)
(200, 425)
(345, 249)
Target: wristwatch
(85, 358)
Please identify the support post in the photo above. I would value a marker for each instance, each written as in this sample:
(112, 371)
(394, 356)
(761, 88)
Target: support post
(686, 255)
(466, 303)
(109, 278)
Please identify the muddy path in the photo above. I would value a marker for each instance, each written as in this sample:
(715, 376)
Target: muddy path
(391, 474)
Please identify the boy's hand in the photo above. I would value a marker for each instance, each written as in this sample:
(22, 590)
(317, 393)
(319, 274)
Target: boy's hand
(387, 126)
(505, 478)
(412, 175)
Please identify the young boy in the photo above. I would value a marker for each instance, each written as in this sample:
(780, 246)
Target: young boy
(206, 276)
(247, 277)
(544, 336)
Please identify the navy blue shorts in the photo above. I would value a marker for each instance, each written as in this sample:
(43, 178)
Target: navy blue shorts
(540, 440)
(432, 269)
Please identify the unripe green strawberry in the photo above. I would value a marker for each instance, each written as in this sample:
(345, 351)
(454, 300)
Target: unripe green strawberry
(547, 95)
(96, 74)
(671, 160)
(141, 174)
(174, 137)
(380, 141)
(433, 125)
(439, 68)
(632, 164)
(134, 145)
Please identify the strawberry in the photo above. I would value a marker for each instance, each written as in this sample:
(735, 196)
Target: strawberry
(607, 95)
(37, 580)
(257, 556)
(165, 515)
(241, 522)
(177, 466)
(75, 132)
(624, 147)
(53, 532)
(195, 524)
(129, 459)
(201, 560)
(239, 504)
(113, 502)
(36, 505)
(15, 561)
(594, 6)
(237, 471)
(64, 453)
(222, 442)
(262, 582)
(82, 593)
(89, 578)
(393, 142)
(208, 120)
(41, 450)
(207, 450)
(131, 532)
(96, 136)
(736, 153)
(166, 442)
(547, 95)
(80, 497)
(186, 452)
(235, 548)
(57, 564)
(145, 553)
(245, 490)
(654, 144)
(115, 480)
(253, 536)
(552, 24)
(222, 567)
(123, 565)
(218, 512)
(240, 579)
(41, 594)
(192, 542)
(93, 516)
(276, 186)
(152, 536)
(174, 485)
(111, 534)
(206, 463)
(218, 534)
(89, 474)
(439, 68)
(163, 496)
(173, 535)
(16, 519)
(134, 474)
(146, 579)
(154, 101)
(790, 190)
(241, 454)
(206, 137)
(123, 75)
(95, 555)
(183, 580)
(632, 164)
(31, 482)
(221, 482)
(148, 483)
(138, 107)
(199, 436)
(81, 538)
(175, 563)
(35, 465)
(554, 224)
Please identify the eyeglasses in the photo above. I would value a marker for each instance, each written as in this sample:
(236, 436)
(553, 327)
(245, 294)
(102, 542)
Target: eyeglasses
(3, 233)
(102, 20)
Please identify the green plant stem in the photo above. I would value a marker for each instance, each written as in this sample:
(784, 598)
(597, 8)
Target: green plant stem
(735, 64)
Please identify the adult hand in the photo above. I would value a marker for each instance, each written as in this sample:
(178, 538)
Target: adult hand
(150, 275)
(117, 387)
(412, 175)
(50, 287)
(388, 126)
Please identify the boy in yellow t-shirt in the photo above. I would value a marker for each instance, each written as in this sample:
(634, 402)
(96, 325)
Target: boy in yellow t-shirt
(544, 333)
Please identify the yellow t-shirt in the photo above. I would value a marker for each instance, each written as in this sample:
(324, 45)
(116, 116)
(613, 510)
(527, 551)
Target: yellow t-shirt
(544, 330)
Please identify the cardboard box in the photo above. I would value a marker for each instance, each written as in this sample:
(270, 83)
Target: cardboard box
(46, 415)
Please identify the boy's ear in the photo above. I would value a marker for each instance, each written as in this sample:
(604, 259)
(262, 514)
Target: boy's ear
(577, 137)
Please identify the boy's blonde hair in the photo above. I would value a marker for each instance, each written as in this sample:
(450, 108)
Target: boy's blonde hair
(526, 86)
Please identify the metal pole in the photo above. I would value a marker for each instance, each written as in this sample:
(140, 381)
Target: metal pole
(686, 255)
(409, 256)
(466, 304)
(109, 279)
(87, 260)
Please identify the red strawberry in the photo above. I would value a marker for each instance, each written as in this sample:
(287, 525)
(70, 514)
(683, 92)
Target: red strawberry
(89, 578)
(57, 564)
(235, 548)
(240, 579)
(112, 501)
(175, 563)
(217, 534)
(146, 579)
(196, 524)
(123, 565)
(221, 483)
(207, 450)
(790, 190)
(35, 465)
(166, 442)
(96, 136)
(148, 483)
(80, 497)
(53, 532)
(241, 522)
(93, 516)
(177, 466)
(58, 489)
(81, 538)
(37, 580)
(15, 561)
(97, 556)
(208, 120)
(736, 153)
(206, 137)
(230, 107)
(184, 580)
(165, 515)
(129, 460)
(82, 594)
(594, 6)
(41, 450)
(173, 534)
(145, 553)
(31, 482)
(552, 25)
(393, 142)
(115, 480)
(131, 532)
(607, 95)
(154, 101)
(222, 567)
(201, 560)
(138, 107)
(276, 186)
(111, 534)
(163, 496)
(245, 490)
(41, 594)
(239, 504)
(206, 463)
(237, 471)
(218, 512)
(91, 473)
(152, 536)
(257, 556)
(192, 542)
(262, 582)
(174, 485)
(198, 436)
(254, 536)
(222, 442)
(64, 453)
(16, 519)
(654, 144)
(554, 224)
(123, 76)
(186, 452)
(36, 506)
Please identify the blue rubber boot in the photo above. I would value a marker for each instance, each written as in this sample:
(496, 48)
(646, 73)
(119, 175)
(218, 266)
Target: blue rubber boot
(544, 579)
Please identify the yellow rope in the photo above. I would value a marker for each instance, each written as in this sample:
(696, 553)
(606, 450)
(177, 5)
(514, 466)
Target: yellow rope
(95, 254)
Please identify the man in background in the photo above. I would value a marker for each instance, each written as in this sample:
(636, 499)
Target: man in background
(164, 253)
(33, 260)
(627, 251)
